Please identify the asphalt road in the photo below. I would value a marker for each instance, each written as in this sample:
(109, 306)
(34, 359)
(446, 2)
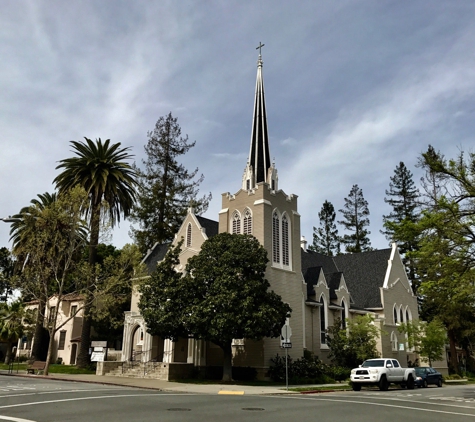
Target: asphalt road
(40, 400)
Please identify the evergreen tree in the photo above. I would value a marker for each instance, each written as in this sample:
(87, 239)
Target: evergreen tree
(166, 188)
(325, 237)
(6, 274)
(355, 219)
(403, 197)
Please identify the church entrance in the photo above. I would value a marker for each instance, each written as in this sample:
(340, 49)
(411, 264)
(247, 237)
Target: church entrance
(137, 344)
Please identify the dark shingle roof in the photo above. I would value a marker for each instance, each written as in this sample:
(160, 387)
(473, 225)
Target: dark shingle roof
(364, 275)
(333, 281)
(211, 227)
(155, 256)
(311, 278)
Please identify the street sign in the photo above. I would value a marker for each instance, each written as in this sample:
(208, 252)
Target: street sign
(287, 345)
(286, 333)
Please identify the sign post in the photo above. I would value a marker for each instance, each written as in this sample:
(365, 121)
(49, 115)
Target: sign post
(286, 344)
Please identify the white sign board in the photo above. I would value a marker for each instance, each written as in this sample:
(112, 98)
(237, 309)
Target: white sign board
(97, 357)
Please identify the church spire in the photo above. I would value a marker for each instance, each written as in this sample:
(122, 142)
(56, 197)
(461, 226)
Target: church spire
(259, 168)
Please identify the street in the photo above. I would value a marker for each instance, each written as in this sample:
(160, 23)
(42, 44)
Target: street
(40, 400)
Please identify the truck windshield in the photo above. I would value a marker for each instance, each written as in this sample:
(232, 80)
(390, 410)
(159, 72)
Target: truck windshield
(373, 363)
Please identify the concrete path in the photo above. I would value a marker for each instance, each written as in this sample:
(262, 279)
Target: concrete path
(170, 386)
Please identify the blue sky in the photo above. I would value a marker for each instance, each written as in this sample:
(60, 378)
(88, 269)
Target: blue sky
(352, 88)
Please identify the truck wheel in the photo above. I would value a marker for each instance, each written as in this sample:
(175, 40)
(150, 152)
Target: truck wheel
(383, 383)
(410, 383)
(356, 387)
(439, 383)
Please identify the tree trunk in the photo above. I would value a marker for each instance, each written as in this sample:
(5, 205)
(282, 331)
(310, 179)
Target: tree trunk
(227, 361)
(453, 364)
(8, 355)
(83, 359)
(38, 337)
(50, 353)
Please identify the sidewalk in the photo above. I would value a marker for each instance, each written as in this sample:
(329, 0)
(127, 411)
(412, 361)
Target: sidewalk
(169, 386)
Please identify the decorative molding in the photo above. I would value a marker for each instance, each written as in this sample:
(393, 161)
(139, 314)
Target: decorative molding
(262, 201)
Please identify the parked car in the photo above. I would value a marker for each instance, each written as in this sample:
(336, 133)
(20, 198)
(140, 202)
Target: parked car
(426, 376)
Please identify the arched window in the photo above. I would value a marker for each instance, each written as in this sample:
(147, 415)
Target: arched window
(343, 314)
(395, 314)
(275, 238)
(393, 341)
(401, 315)
(408, 315)
(236, 223)
(323, 321)
(188, 235)
(285, 240)
(247, 222)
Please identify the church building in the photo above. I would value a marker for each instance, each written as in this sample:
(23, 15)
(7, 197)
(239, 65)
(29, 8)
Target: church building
(318, 288)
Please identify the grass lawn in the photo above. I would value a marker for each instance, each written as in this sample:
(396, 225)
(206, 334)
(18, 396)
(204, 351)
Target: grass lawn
(53, 369)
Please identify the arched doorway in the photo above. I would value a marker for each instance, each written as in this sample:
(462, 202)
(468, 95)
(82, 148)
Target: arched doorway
(137, 343)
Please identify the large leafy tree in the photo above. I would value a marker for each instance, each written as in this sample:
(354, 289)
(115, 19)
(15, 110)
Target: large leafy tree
(353, 344)
(325, 237)
(21, 231)
(403, 197)
(166, 188)
(429, 339)
(355, 219)
(222, 296)
(54, 251)
(102, 169)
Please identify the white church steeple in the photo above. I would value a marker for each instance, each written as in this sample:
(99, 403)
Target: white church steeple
(259, 167)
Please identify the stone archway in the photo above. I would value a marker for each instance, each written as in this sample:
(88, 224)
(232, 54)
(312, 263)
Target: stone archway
(136, 346)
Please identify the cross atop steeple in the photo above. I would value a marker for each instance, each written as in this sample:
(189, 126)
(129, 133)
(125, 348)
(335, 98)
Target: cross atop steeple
(259, 47)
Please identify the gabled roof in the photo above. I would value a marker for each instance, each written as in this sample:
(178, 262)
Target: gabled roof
(364, 274)
(211, 227)
(155, 256)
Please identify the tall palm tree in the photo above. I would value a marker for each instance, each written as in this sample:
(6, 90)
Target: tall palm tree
(21, 228)
(101, 169)
(11, 325)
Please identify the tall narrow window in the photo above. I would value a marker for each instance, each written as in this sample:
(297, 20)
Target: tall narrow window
(395, 314)
(285, 240)
(275, 238)
(236, 223)
(401, 318)
(188, 235)
(323, 322)
(74, 310)
(51, 314)
(343, 314)
(247, 222)
(62, 340)
(393, 342)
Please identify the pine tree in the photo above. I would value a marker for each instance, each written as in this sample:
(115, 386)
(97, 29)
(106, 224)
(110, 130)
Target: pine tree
(403, 197)
(325, 237)
(355, 219)
(166, 188)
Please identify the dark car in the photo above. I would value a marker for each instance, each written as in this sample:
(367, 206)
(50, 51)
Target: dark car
(426, 376)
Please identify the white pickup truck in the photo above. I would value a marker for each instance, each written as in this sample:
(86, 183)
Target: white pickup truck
(382, 372)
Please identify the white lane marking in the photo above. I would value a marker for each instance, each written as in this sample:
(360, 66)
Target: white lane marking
(388, 405)
(63, 391)
(93, 398)
(8, 418)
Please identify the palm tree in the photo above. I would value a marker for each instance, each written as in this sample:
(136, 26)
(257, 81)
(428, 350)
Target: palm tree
(100, 168)
(21, 228)
(11, 325)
